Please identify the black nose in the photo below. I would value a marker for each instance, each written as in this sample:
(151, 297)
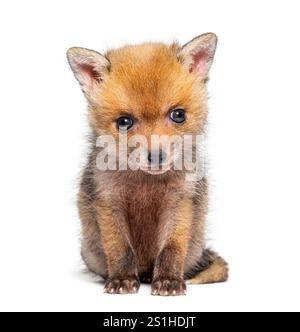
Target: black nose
(157, 158)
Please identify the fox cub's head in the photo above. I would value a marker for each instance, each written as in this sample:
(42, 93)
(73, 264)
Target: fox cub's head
(148, 89)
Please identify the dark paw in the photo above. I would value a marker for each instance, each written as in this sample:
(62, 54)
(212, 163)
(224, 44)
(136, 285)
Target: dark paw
(167, 287)
(122, 286)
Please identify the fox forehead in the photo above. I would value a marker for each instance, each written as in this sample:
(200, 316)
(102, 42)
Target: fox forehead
(146, 80)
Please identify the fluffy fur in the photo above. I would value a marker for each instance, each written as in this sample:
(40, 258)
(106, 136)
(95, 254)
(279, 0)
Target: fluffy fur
(138, 226)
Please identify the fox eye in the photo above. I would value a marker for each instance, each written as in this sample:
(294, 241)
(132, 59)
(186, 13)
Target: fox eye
(124, 123)
(178, 115)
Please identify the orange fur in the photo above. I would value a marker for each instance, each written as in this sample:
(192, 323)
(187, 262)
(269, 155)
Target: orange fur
(146, 81)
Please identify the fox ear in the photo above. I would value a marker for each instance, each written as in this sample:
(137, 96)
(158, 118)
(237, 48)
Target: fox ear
(198, 54)
(89, 67)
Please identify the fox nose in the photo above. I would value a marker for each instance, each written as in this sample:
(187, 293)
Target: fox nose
(157, 158)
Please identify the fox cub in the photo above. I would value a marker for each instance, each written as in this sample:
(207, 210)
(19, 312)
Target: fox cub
(146, 223)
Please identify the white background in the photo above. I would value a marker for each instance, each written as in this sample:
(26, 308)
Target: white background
(253, 147)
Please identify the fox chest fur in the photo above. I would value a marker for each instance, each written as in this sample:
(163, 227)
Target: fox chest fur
(146, 208)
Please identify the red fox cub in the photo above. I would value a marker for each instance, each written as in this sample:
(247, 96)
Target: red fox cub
(143, 219)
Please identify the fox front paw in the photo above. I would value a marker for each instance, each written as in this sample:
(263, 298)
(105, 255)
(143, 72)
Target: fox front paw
(122, 286)
(167, 287)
